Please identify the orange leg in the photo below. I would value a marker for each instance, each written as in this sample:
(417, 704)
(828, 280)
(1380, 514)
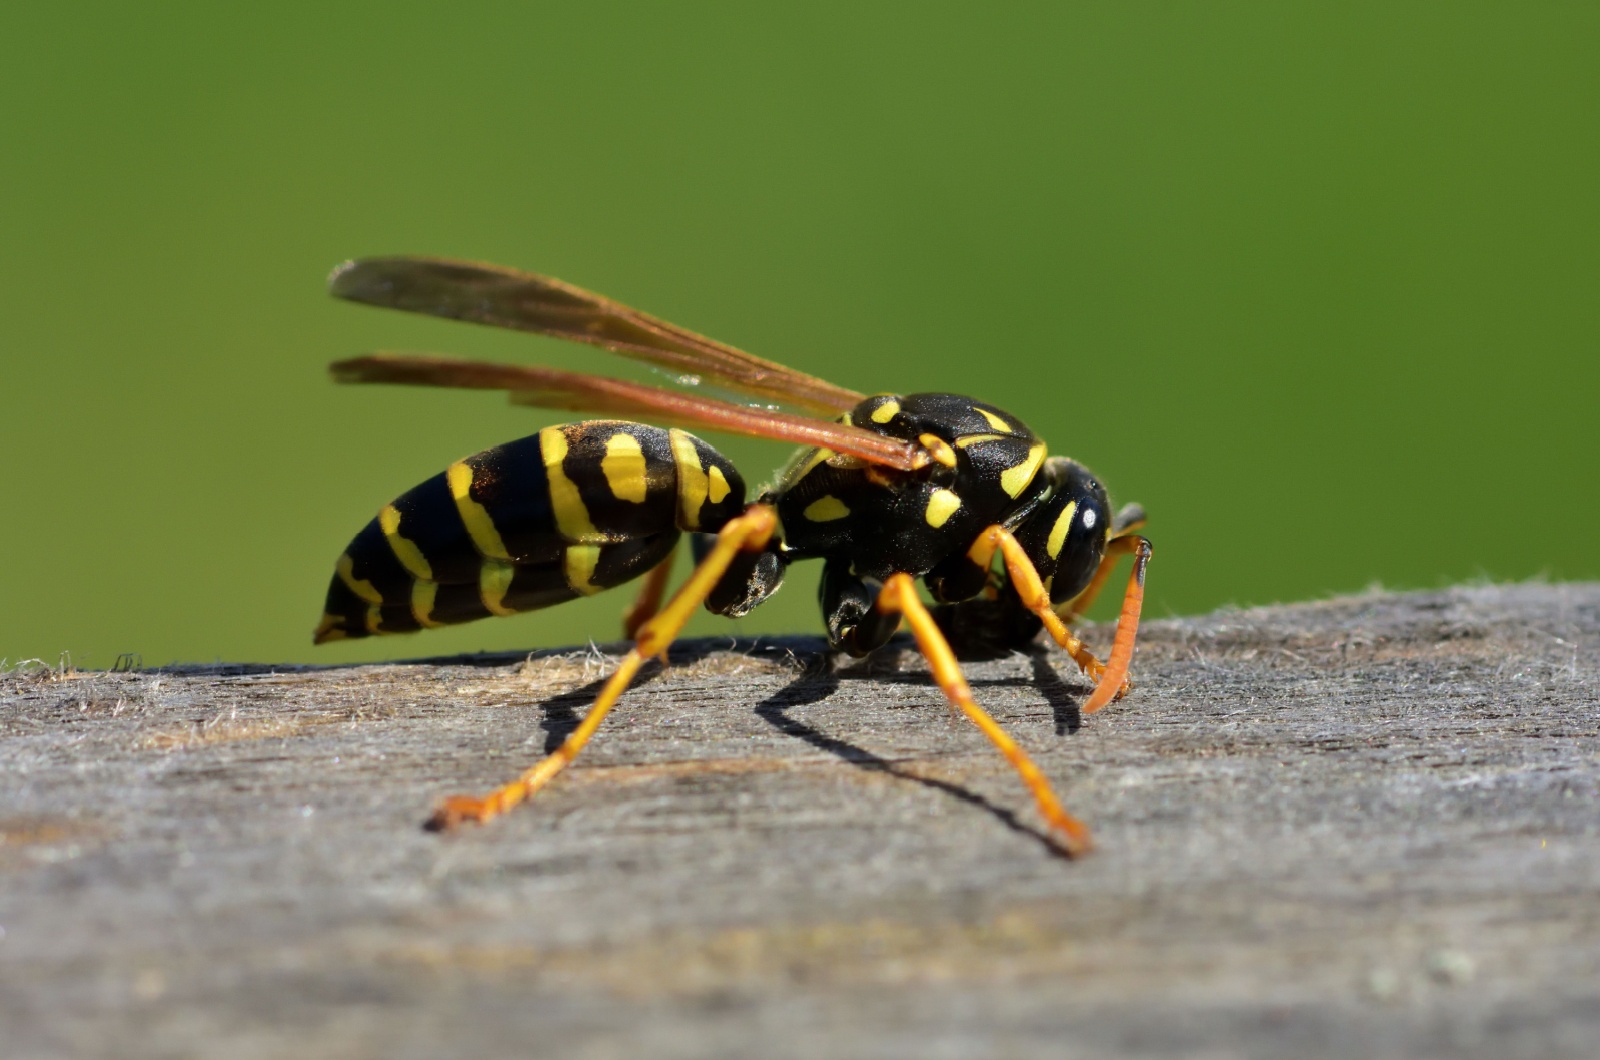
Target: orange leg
(651, 592)
(900, 595)
(748, 532)
(1111, 677)
(1116, 548)
(1116, 680)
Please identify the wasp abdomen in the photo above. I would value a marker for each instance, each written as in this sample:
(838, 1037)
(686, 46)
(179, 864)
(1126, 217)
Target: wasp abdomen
(567, 512)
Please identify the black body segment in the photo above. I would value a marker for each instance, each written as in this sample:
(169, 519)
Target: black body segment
(567, 512)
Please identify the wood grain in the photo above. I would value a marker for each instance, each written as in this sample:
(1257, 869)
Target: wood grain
(1367, 826)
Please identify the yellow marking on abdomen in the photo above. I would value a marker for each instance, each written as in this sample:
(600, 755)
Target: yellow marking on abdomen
(572, 516)
(693, 484)
(718, 487)
(942, 504)
(479, 524)
(994, 421)
(579, 563)
(886, 411)
(825, 510)
(360, 586)
(494, 581)
(405, 550)
(1058, 532)
(329, 629)
(623, 467)
(422, 595)
(1015, 479)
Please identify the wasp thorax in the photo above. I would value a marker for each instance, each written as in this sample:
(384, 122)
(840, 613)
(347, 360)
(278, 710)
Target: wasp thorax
(983, 464)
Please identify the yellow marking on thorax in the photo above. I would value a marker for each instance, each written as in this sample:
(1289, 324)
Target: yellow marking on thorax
(974, 439)
(1015, 479)
(422, 594)
(825, 510)
(405, 550)
(479, 524)
(994, 421)
(693, 483)
(580, 562)
(938, 449)
(718, 487)
(1058, 532)
(494, 581)
(572, 517)
(942, 504)
(360, 586)
(886, 411)
(623, 467)
(804, 462)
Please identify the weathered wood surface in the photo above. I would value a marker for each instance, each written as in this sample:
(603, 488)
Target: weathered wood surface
(1362, 827)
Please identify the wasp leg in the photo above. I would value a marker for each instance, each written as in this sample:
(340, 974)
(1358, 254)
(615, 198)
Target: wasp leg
(748, 532)
(1119, 546)
(1127, 628)
(856, 625)
(651, 592)
(1110, 677)
(900, 594)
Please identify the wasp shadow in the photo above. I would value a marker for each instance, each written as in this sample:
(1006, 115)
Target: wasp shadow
(885, 665)
(821, 680)
(564, 712)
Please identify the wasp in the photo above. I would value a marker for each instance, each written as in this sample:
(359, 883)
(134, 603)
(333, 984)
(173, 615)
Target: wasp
(885, 491)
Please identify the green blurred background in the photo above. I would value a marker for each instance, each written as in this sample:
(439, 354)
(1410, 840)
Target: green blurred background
(1316, 283)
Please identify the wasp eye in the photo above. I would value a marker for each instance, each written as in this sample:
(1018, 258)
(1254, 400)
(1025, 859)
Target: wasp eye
(1089, 518)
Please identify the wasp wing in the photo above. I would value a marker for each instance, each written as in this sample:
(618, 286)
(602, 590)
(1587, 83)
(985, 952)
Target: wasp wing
(557, 389)
(523, 301)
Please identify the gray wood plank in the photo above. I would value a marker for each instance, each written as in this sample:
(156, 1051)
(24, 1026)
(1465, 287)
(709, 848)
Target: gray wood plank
(1366, 826)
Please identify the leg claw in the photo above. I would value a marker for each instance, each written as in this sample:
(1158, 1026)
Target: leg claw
(456, 810)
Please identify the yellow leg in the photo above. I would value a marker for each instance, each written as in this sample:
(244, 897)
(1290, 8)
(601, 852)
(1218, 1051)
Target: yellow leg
(900, 595)
(651, 592)
(748, 532)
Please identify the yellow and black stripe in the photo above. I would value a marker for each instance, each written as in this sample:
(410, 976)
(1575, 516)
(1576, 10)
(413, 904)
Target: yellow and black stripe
(567, 512)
